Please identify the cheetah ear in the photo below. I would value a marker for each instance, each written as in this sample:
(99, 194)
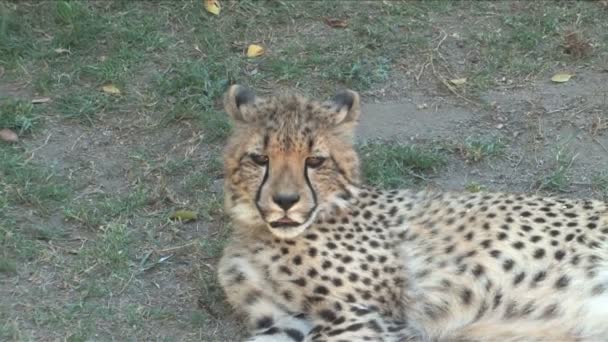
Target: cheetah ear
(347, 106)
(236, 101)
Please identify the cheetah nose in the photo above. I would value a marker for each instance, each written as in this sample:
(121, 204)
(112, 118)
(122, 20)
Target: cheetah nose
(286, 201)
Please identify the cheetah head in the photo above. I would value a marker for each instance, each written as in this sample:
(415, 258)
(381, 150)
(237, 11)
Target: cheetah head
(288, 159)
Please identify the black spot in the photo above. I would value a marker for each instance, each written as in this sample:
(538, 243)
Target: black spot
(284, 269)
(327, 315)
(518, 245)
(322, 290)
(526, 228)
(550, 311)
(486, 243)
(497, 299)
(495, 253)
(540, 276)
(271, 331)
(466, 295)
(569, 237)
(478, 270)
(264, 322)
(507, 265)
(331, 245)
(297, 260)
(535, 238)
(300, 282)
(311, 236)
(353, 277)
(539, 253)
(511, 309)
(559, 255)
(294, 334)
(519, 278)
(347, 259)
(326, 264)
(354, 327)
(372, 324)
(502, 236)
(562, 282)
(337, 282)
(312, 252)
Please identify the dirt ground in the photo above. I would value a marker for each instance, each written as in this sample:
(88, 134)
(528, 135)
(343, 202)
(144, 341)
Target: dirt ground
(535, 122)
(89, 252)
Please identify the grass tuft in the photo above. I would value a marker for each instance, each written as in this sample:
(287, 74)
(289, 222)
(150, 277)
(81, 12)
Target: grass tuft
(558, 179)
(476, 149)
(18, 115)
(391, 165)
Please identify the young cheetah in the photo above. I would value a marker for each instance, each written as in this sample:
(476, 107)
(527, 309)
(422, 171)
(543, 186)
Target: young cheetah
(316, 256)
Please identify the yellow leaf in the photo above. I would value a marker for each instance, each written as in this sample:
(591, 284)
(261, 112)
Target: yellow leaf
(255, 50)
(458, 81)
(8, 135)
(110, 89)
(41, 100)
(213, 6)
(561, 77)
(337, 23)
(184, 215)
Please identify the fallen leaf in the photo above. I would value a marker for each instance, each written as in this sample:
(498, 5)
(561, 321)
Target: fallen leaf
(62, 51)
(184, 215)
(213, 6)
(255, 50)
(336, 23)
(561, 77)
(458, 81)
(8, 135)
(41, 100)
(110, 89)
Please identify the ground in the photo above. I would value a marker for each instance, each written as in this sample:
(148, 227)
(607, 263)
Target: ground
(88, 249)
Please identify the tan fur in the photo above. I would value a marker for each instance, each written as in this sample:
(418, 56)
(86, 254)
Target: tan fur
(366, 264)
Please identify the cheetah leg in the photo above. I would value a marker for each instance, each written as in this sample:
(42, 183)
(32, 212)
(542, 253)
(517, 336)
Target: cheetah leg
(248, 292)
(514, 332)
(363, 326)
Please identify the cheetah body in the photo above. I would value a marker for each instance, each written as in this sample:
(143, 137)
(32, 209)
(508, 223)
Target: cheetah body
(402, 265)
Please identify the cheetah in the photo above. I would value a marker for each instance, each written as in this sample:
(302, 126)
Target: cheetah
(317, 256)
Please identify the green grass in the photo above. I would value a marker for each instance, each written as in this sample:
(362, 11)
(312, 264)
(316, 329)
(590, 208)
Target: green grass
(101, 209)
(600, 183)
(558, 178)
(17, 115)
(474, 187)
(476, 149)
(391, 165)
(172, 61)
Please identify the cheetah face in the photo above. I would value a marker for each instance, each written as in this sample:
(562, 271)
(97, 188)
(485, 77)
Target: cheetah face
(288, 158)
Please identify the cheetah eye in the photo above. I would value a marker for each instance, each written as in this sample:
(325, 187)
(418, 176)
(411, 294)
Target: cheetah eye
(314, 162)
(259, 159)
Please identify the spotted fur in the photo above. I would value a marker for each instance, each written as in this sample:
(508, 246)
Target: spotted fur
(349, 263)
